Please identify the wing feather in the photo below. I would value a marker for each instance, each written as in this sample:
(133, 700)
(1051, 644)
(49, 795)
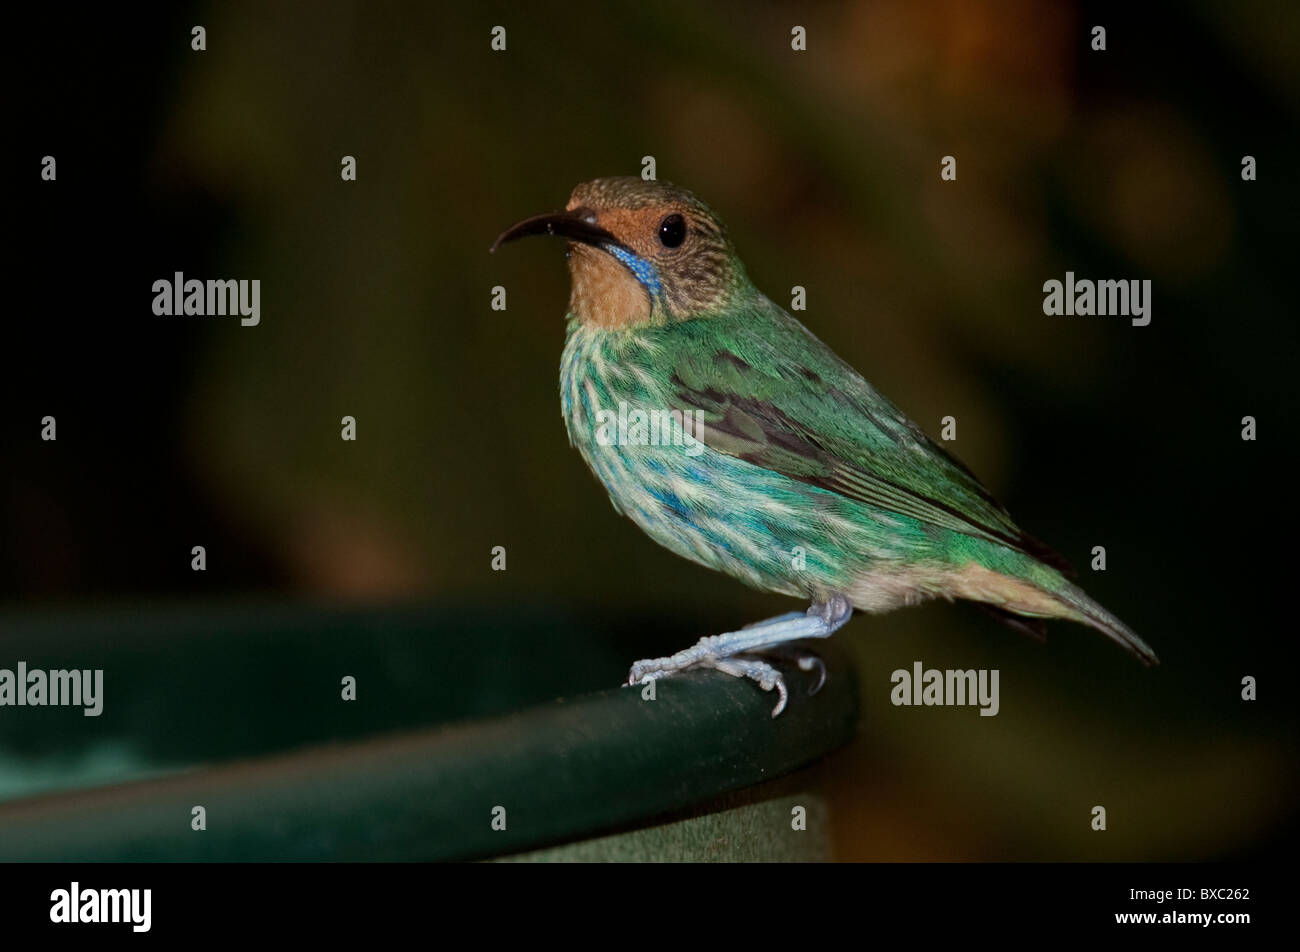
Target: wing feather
(777, 397)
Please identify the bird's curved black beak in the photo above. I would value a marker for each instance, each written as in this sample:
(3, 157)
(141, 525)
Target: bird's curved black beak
(577, 225)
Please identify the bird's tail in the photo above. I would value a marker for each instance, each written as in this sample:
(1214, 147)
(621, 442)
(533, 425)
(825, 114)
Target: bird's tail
(1091, 613)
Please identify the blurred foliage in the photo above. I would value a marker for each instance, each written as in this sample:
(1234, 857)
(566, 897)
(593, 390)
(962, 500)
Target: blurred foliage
(824, 164)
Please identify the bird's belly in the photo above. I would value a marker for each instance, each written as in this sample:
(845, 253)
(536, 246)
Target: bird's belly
(708, 509)
(769, 531)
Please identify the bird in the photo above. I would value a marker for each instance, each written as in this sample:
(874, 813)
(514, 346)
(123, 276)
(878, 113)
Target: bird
(732, 436)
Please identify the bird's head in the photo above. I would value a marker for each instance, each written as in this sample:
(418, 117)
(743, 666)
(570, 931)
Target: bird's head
(639, 253)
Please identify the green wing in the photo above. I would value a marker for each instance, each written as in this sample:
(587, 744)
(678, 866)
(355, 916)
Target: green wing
(770, 393)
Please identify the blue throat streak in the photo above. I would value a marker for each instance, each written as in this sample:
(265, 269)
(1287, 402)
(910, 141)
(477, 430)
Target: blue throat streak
(642, 269)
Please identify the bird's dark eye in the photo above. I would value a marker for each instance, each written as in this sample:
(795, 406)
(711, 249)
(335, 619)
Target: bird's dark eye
(672, 231)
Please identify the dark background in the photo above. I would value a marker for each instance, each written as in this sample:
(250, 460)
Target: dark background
(176, 431)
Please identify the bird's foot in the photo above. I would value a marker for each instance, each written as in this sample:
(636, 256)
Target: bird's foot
(735, 652)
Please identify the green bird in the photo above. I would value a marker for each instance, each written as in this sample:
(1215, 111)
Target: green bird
(731, 435)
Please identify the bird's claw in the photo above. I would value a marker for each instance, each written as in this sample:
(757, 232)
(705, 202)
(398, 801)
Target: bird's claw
(810, 662)
(650, 669)
(760, 672)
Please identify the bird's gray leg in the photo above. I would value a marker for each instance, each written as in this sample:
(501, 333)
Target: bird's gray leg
(767, 621)
(731, 653)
